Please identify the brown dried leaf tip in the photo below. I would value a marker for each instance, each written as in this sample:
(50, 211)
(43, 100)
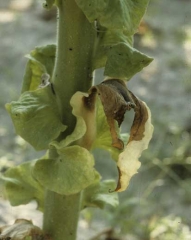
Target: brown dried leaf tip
(140, 136)
(22, 229)
(116, 100)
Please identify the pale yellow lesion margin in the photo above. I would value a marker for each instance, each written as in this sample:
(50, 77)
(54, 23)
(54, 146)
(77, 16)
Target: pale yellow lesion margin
(128, 161)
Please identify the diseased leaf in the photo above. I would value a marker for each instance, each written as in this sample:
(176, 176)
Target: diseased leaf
(21, 187)
(98, 194)
(103, 135)
(140, 136)
(115, 14)
(36, 117)
(116, 101)
(70, 173)
(41, 61)
(85, 130)
(22, 230)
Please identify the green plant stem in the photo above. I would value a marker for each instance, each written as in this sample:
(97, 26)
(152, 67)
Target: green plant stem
(73, 67)
(72, 73)
(61, 215)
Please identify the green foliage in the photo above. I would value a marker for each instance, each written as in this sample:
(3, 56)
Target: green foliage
(34, 113)
(99, 194)
(124, 15)
(125, 61)
(116, 21)
(21, 187)
(70, 173)
(38, 115)
(41, 61)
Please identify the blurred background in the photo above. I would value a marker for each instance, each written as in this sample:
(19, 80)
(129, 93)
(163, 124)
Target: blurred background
(157, 204)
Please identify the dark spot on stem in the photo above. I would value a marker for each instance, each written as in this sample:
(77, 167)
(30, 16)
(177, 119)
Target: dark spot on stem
(52, 88)
(70, 49)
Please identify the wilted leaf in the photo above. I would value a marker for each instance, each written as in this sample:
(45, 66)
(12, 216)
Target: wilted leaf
(85, 129)
(70, 173)
(98, 194)
(21, 187)
(140, 136)
(22, 230)
(41, 61)
(116, 101)
(103, 135)
(36, 117)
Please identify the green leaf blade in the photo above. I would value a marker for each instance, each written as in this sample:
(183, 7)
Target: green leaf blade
(115, 14)
(21, 187)
(69, 174)
(99, 194)
(41, 61)
(124, 61)
(36, 117)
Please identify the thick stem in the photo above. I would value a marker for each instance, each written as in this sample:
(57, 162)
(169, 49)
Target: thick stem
(72, 73)
(73, 67)
(61, 215)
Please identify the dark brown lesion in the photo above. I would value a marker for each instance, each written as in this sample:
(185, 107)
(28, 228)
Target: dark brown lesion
(89, 102)
(141, 116)
(116, 100)
(120, 86)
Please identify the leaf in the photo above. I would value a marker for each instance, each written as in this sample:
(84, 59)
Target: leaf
(41, 61)
(106, 39)
(116, 22)
(98, 194)
(84, 132)
(21, 187)
(70, 173)
(124, 61)
(36, 117)
(103, 135)
(92, 129)
(22, 230)
(116, 101)
(140, 136)
(115, 14)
